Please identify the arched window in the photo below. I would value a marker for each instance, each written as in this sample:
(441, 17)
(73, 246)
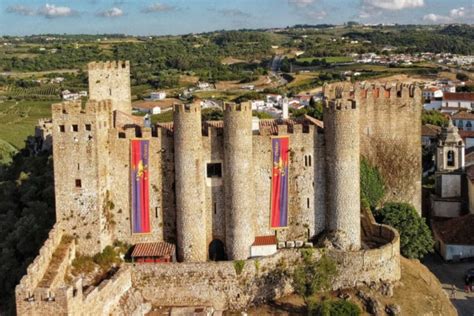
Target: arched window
(450, 158)
(468, 125)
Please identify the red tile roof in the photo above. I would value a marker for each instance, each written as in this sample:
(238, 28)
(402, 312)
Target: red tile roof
(265, 240)
(270, 125)
(466, 134)
(153, 249)
(461, 96)
(463, 115)
(456, 231)
(430, 130)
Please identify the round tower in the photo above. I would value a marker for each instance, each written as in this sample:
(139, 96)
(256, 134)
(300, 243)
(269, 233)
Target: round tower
(190, 214)
(238, 180)
(341, 129)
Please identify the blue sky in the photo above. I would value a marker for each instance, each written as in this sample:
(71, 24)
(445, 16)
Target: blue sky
(141, 17)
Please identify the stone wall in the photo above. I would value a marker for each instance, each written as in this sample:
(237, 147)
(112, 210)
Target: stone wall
(390, 131)
(219, 284)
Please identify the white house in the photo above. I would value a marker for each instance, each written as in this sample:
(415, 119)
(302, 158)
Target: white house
(458, 100)
(432, 93)
(160, 95)
(454, 237)
(257, 104)
(263, 246)
(464, 120)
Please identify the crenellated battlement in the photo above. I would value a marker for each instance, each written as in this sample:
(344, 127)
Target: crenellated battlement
(75, 107)
(365, 90)
(109, 65)
(339, 105)
(235, 107)
(187, 108)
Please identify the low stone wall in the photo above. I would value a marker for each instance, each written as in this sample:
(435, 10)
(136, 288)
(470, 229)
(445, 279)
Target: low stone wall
(71, 300)
(37, 269)
(219, 284)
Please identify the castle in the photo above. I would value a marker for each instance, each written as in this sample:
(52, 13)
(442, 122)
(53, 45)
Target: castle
(196, 184)
(211, 180)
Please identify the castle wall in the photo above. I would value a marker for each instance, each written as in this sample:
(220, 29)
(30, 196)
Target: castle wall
(219, 285)
(390, 124)
(306, 183)
(111, 81)
(119, 182)
(341, 119)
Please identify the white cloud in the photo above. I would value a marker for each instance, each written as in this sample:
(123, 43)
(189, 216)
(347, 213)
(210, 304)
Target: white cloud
(111, 13)
(51, 11)
(21, 10)
(158, 7)
(393, 4)
(301, 3)
(456, 15)
(316, 15)
(48, 11)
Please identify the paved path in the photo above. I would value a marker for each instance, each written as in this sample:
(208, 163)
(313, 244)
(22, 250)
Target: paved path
(449, 274)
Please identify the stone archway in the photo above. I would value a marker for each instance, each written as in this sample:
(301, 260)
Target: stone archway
(217, 250)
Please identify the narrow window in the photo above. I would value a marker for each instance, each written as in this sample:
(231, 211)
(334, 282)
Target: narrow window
(215, 208)
(305, 161)
(307, 202)
(156, 212)
(62, 128)
(75, 128)
(88, 127)
(110, 91)
(214, 170)
(450, 158)
(309, 160)
(121, 135)
(78, 167)
(78, 183)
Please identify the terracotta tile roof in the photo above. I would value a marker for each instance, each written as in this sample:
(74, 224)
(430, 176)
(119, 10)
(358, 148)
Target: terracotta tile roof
(430, 130)
(265, 240)
(463, 115)
(269, 125)
(466, 134)
(470, 172)
(153, 249)
(457, 230)
(458, 96)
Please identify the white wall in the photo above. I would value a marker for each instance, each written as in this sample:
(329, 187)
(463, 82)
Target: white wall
(449, 209)
(456, 252)
(450, 185)
(267, 250)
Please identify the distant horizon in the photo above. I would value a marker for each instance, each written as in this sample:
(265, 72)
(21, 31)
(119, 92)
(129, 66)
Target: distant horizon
(237, 29)
(180, 17)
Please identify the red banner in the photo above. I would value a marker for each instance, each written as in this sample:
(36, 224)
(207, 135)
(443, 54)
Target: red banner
(140, 186)
(279, 197)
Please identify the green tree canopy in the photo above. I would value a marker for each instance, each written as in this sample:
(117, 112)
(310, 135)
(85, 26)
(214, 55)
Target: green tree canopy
(372, 187)
(415, 236)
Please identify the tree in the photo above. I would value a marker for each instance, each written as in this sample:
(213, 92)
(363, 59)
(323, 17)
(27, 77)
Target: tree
(433, 117)
(462, 76)
(372, 187)
(313, 275)
(415, 236)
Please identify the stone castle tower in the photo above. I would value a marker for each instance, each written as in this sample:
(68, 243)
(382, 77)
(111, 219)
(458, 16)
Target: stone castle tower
(111, 81)
(240, 219)
(190, 212)
(341, 125)
(80, 167)
(210, 183)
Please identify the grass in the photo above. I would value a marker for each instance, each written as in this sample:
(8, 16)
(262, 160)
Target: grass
(19, 118)
(330, 59)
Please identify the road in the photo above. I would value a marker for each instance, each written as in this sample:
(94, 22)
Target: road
(275, 70)
(449, 274)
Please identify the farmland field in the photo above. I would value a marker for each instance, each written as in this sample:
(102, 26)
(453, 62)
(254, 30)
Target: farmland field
(330, 59)
(18, 119)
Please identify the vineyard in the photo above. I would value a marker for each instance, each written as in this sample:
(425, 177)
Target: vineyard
(45, 92)
(19, 118)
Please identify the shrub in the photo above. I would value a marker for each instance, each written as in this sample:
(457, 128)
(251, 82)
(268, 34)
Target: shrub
(107, 258)
(313, 275)
(239, 266)
(415, 236)
(334, 308)
(372, 187)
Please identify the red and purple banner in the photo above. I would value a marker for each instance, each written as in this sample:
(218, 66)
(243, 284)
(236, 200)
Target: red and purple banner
(279, 202)
(140, 187)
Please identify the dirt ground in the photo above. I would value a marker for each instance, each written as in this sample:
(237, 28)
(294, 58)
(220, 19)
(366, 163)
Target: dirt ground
(418, 292)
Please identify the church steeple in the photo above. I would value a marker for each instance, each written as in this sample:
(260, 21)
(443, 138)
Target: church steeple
(450, 152)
